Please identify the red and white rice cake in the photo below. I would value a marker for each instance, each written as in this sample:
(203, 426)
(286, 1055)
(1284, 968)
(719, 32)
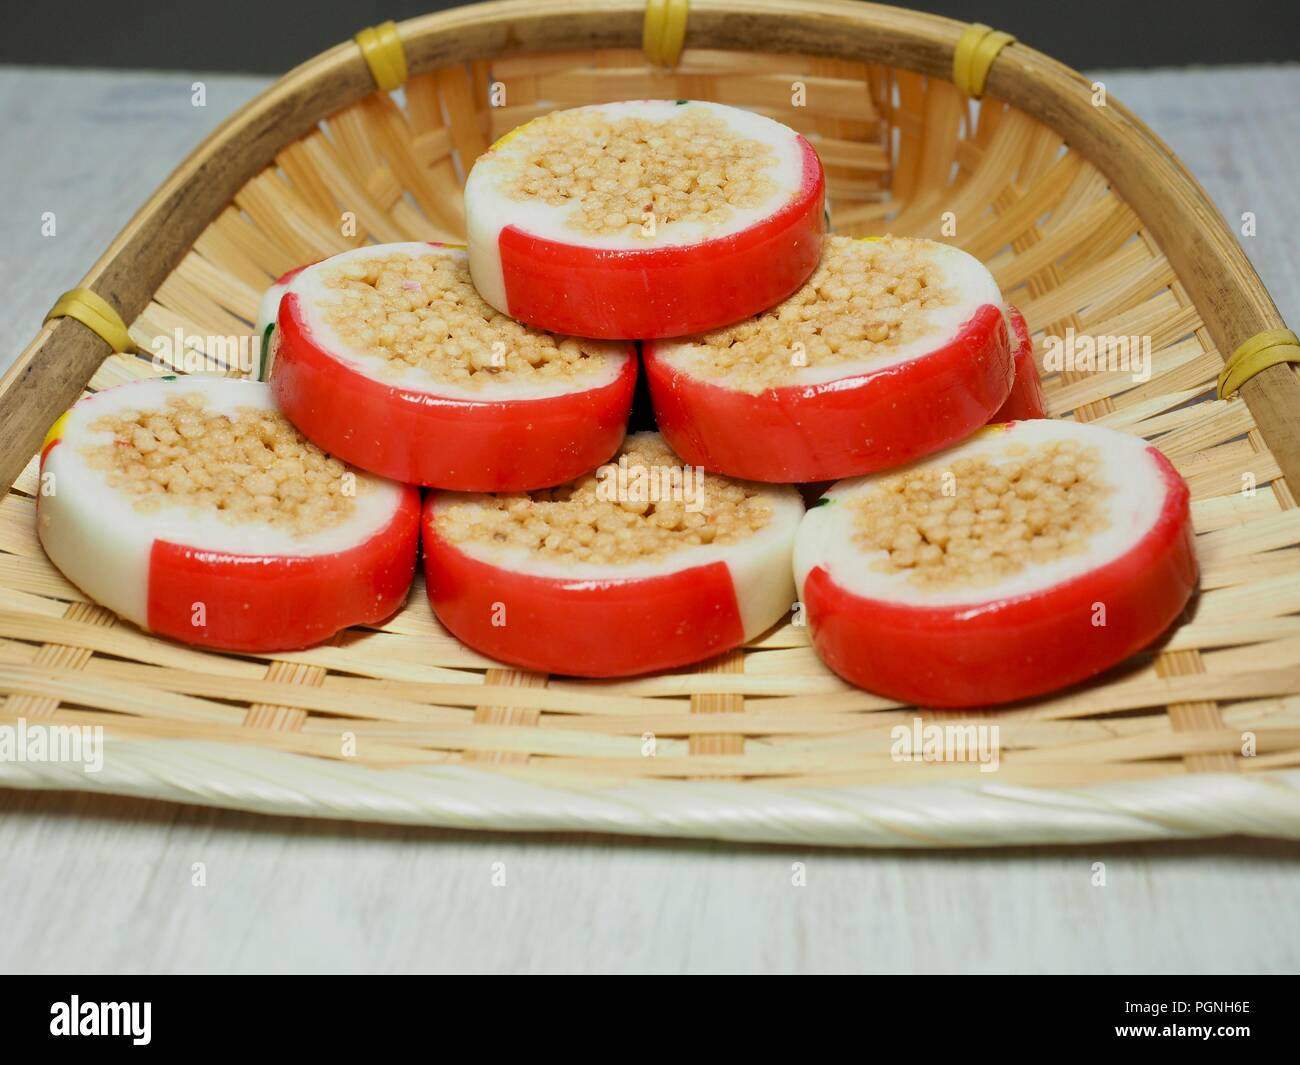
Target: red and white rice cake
(647, 218)
(597, 580)
(268, 310)
(191, 507)
(1034, 555)
(895, 348)
(1026, 399)
(387, 357)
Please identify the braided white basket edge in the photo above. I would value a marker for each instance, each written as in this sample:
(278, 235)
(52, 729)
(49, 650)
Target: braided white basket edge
(966, 814)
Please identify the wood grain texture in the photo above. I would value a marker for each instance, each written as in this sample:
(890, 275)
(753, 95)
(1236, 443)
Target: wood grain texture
(290, 896)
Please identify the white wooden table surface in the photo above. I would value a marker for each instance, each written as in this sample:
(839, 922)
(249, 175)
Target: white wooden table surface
(106, 885)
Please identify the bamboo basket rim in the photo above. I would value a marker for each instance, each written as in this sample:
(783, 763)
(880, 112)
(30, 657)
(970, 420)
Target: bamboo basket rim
(1206, 260)
(956, 814)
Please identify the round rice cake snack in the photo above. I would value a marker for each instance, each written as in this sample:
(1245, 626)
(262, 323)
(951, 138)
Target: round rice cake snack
(268, 311)
(895, 347)
(1032, 556)
(387, 357)
(646, 218)
(191, 507)
(1026, 399)
(642, 565)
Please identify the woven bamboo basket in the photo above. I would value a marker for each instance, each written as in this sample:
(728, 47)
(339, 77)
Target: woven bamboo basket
(1086, 220)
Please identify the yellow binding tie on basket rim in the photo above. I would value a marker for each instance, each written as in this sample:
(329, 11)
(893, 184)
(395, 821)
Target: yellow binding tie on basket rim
(1261, 351)
(973, 57)
(664, 32)
(96, 314)
(381, 46)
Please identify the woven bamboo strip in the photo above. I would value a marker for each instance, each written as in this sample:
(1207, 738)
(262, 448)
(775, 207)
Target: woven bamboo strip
(724, 702)
(524, 717)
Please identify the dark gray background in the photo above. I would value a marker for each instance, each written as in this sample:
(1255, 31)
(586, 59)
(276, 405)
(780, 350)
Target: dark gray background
(265, 36)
